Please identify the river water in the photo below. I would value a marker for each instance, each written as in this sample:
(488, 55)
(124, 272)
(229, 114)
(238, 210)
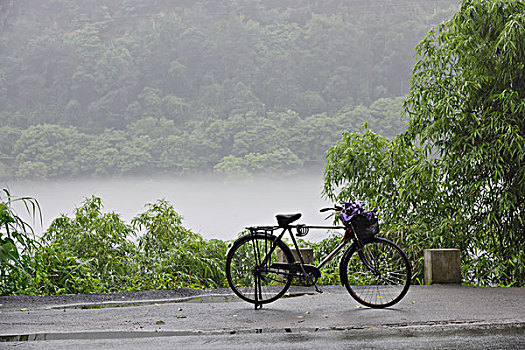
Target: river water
(211, 206)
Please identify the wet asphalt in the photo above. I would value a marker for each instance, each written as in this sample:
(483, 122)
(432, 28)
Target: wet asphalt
(429, 317)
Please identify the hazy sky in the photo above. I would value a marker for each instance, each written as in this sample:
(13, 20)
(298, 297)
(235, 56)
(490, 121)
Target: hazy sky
(210, 206)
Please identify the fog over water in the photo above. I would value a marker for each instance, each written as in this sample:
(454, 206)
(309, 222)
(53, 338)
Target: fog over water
(211, 206)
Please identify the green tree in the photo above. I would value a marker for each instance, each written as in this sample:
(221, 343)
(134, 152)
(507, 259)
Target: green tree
(174, 256)
(467, 105)
(92, 250)
(162, 227)
(397, 179)
(52, 149)
(219, 72)
(456, 176)
(277, 163)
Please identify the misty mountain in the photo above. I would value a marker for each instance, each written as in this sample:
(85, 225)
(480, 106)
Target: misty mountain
(91, 88)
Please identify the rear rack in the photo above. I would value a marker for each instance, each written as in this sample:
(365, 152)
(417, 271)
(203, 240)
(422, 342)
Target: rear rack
(273, 228)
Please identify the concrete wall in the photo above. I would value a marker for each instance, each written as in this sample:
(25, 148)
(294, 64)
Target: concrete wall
(442, 266)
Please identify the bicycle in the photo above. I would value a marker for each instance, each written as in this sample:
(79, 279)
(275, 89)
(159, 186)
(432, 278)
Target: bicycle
(260, 266)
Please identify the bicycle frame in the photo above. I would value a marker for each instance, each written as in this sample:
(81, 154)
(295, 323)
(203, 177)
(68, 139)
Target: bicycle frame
(289, 228)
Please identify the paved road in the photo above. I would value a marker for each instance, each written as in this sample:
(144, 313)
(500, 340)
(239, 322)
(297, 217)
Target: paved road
(429, 317)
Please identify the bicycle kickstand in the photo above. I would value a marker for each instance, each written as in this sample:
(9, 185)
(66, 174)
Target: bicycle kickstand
(317, 289)
(258, 305)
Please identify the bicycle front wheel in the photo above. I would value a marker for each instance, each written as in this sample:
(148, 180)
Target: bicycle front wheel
(377, 276)
(248, 277)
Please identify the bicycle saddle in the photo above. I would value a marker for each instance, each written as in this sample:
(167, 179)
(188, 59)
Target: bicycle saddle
(283, 220)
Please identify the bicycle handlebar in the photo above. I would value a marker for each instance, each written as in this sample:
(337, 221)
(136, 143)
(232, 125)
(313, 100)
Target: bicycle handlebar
(334, 208)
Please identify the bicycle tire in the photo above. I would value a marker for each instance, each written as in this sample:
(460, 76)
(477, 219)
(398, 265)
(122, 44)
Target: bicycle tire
(244, 256)
(378, 276)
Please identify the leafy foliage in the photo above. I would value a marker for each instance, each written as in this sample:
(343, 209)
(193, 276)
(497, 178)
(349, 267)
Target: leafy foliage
(455, 178)
(16, 238)
(98, 240)
(94, 252)
(173, 256)
(393, 177)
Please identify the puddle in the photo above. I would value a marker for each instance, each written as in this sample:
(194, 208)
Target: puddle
(205, 299)
(118, 304)
(88, 336)
(415, 330)
(139, 334)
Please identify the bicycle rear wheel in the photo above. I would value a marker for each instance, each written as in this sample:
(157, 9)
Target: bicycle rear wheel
(378, 276)
(248, 278)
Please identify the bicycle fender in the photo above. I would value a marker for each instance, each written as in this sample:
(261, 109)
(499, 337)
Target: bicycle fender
(242, 238)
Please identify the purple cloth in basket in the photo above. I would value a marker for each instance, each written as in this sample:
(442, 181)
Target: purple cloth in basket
(352, 209)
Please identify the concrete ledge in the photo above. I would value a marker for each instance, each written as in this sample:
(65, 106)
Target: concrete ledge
(306, 253)
(442, 266)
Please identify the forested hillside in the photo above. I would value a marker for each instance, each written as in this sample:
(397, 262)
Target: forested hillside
(93, 87)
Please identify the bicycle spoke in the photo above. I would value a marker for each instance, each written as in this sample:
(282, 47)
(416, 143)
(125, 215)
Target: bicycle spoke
(378, 276)
(247, 276)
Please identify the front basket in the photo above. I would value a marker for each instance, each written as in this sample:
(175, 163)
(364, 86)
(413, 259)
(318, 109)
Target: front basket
(365, 228)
